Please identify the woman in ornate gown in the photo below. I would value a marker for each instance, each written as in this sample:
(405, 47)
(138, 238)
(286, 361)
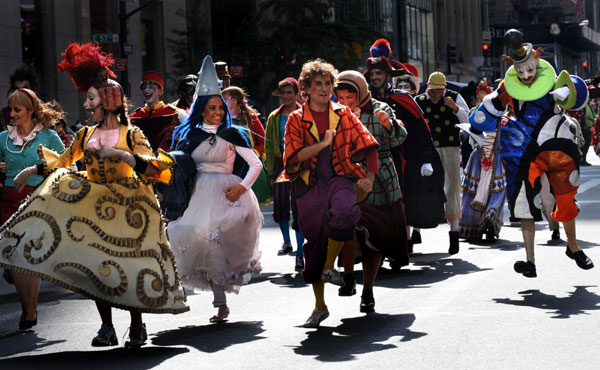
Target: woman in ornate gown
(98, 232)
(215, 239)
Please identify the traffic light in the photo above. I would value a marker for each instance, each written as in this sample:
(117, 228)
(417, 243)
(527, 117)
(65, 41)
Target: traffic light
(584, 64)
(451, 54)
(485, 50)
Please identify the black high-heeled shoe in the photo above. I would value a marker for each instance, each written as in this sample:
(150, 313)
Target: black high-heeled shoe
(583, 261)
(27, 324)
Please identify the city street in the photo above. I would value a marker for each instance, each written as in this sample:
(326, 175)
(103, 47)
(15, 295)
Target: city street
(466, 311)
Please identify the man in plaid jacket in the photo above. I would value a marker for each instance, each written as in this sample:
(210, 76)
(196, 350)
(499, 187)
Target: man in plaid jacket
(323, 143)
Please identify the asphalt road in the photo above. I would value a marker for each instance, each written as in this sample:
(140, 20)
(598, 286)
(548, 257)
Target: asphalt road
(467, 311)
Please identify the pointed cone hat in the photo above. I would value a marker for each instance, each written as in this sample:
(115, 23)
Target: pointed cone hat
(208, 82)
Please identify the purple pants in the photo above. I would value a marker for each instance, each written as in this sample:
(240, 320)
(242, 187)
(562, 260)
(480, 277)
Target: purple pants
(326, 210)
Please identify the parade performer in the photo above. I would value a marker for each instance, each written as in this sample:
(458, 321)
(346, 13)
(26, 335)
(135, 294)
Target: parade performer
(22, 78)
(186, 88)
(156, 119)
(245, 116)
(539, 139)
(382, 226)
(31, 120)
(283, 200)
(215, 232)
(483, 186)
(98, 232)
(418, 164)
(323, 143)
(408, 82)
(443, 110)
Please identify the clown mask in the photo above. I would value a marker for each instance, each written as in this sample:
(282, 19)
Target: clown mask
(526, 70)
(93, 105)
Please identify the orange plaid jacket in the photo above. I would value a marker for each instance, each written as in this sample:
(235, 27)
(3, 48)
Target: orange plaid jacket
(349, 145)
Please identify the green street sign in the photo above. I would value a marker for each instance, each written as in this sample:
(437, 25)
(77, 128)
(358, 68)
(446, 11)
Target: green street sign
(106, 38)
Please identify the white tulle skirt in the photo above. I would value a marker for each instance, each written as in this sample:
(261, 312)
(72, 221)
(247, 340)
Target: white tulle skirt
(216, 240)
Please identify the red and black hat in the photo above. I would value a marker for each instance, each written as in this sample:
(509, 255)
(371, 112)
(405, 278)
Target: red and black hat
(381, 53)
(151, 76)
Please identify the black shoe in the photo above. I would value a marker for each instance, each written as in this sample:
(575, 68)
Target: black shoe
(367, 302)
(410, 247)
(525, 268)
(395, 265)
(556, 234)
(106, 337)
(585, 163)
(299, 267)
(137, 336)
(285, 249)
(416, 237)
(453, 242)
(349, 287)
(27, 324)
(580, 258)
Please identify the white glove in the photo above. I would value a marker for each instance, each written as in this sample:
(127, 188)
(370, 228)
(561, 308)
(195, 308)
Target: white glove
(561, 94)
(23, 176)
(182, 116)
(107, 151)
(426, 169)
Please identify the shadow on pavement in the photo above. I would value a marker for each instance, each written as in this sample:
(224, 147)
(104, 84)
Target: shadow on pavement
(577, 303)
(118, 358)
(262, 277)
(500, 244)
(28, 341)
(294, 280)
(356, 336)
(211, 338)
(431, 272)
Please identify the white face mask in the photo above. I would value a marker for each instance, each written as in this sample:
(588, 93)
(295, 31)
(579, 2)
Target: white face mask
(527, 70)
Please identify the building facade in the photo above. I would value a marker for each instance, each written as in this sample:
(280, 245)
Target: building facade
(48, 26)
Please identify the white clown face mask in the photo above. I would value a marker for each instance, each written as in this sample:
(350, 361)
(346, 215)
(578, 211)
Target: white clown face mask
(526, 70)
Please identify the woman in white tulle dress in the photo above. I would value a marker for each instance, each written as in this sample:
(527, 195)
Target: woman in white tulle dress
(215, 240)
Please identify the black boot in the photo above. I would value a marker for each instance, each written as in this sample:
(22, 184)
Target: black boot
(349, 287)
(416, 237)
(453, 242)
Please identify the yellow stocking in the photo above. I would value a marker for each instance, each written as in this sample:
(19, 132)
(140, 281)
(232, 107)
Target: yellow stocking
(319, 290)
(334, 247)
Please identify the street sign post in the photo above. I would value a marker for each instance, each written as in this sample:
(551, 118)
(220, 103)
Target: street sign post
(106, 38)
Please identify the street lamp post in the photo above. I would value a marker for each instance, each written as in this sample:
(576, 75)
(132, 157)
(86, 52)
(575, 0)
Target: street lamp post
(123, 17)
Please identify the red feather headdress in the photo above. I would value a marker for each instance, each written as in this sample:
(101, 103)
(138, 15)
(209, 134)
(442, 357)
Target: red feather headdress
(87, 65)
